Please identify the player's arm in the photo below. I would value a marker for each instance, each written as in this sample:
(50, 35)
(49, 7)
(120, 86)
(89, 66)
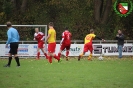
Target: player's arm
(61, 41)
(62, 38)
(49, 34)
(48, 37)
(18, 36)
(70, 35)
(9, 37)
(99, 38)
(55, 36)
(42, 35)
(34, 37)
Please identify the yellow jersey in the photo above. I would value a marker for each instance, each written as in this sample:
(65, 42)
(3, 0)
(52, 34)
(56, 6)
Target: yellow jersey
(52, 37)
(89, 38)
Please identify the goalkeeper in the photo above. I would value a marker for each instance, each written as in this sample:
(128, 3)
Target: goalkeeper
(39, 37)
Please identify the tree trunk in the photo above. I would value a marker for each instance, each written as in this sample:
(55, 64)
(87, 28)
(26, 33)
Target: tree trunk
(97, 10)
(15, 4)
(24, 5)
(107, 11)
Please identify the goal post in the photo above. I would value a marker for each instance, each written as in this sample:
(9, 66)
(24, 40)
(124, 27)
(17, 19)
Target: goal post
(33, 26)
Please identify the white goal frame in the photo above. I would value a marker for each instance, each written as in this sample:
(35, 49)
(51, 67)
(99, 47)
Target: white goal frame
(46, 30)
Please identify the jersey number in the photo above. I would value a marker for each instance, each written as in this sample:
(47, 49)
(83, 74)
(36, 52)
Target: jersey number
(68, 36)
(88, 38)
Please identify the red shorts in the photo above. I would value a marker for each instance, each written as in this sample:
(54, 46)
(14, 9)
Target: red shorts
(87, 47)
(40, 45)
(51, 47)
(64, 46)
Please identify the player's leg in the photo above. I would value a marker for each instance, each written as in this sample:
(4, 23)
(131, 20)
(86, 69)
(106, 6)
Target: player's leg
(84, 51)
(91, 51)
(41, 46)
(90, 56)
(38, 54)
(59, 54)
(62, 47)
(55, 56)
(15, 54)
(50, 52)
(67, 51)
(38, 50)
(49, 57)
(17, 59)
(53, 50)
(9, 56)
(9, 60)
(45, 54)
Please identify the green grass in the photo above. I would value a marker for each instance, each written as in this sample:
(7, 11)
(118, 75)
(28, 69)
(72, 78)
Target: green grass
(109, 73)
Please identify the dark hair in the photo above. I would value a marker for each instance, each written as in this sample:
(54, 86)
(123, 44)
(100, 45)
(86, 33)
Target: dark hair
(9, 24)
(66, 28)
(51, 24)
(91, 30)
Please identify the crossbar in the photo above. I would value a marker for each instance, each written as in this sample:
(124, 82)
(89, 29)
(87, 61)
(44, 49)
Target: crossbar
(31, 26)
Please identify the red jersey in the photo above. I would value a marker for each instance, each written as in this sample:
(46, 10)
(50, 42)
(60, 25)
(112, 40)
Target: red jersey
(39, 36)
(66, 37)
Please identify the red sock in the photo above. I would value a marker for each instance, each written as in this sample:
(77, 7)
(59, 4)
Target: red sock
(56, 57)
(38, 55)
(59, 54)
(50, 59)
(46, 55)
(67, 53)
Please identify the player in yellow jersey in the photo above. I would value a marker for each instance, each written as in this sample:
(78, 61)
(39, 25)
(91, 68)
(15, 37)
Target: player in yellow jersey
(51, 39)
(88, 44)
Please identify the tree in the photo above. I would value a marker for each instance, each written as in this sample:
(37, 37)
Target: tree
(101, 13)
(24, 5)
(79, 15)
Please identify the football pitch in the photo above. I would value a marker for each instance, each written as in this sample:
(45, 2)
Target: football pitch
(109, 73)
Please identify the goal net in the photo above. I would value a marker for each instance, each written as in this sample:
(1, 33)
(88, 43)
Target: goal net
(26, 33)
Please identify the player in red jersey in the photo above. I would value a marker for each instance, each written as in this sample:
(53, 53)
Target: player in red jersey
(65, 43)
(88, 44)
(39, 37)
